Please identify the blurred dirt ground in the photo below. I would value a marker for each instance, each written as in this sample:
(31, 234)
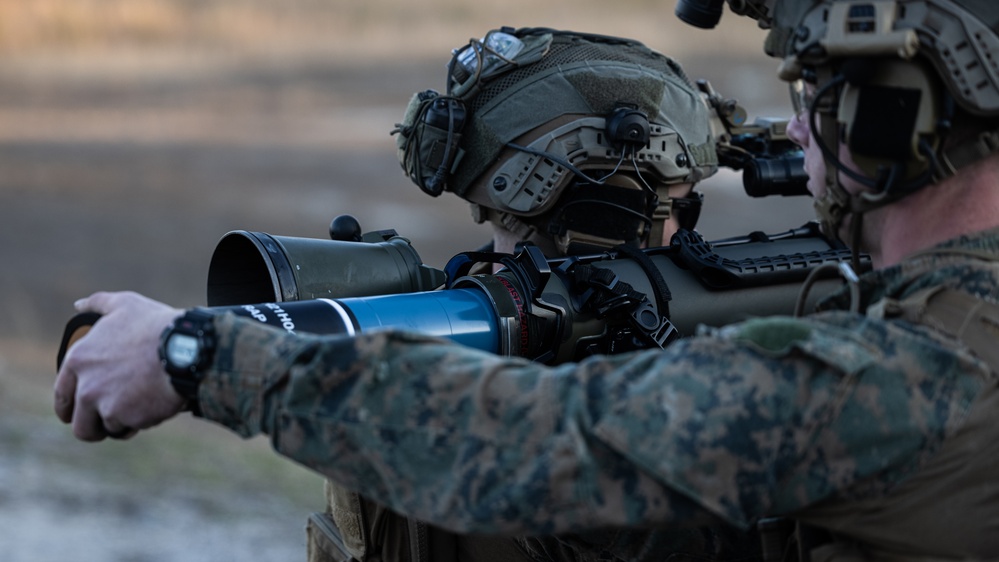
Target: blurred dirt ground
(134, 134)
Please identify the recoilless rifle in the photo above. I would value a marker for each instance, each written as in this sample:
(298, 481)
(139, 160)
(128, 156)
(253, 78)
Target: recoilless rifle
(547, 310)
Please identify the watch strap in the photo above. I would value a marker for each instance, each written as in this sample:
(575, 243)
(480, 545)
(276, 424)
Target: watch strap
(197, 322)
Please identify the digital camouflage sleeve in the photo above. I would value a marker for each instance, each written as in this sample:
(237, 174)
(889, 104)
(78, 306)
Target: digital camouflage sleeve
(760, 418)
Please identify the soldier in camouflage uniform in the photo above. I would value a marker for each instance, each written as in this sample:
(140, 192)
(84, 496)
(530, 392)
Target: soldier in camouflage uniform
(557, 87)
(873, 421)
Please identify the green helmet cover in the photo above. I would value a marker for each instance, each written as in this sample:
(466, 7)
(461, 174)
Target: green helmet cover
(559, 77)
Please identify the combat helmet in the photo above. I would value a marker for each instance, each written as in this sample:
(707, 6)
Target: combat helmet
(911, 87)
(574, 136)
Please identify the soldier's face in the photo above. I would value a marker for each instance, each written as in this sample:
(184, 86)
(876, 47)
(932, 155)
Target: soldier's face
(800, 132)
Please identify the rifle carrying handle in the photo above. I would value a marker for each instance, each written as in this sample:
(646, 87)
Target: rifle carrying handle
(77, 327)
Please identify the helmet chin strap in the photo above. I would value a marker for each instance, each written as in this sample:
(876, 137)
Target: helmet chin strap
(837, 203)
(834, 206)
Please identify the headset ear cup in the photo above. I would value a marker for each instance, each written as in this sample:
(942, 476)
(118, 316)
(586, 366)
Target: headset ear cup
(889, 111)
(627, 126)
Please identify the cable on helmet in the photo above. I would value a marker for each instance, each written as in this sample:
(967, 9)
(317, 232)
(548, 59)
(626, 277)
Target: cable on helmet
(546, 112)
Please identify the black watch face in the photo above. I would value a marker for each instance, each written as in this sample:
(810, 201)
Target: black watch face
(182, 350)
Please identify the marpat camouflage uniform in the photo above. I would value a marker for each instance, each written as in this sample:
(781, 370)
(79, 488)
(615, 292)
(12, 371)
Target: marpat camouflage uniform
(829, 418)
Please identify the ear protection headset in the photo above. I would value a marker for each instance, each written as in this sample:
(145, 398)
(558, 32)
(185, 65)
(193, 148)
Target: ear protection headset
(895, 115)
(899, 68)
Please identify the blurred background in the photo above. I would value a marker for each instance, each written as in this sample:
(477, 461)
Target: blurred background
(135, 133)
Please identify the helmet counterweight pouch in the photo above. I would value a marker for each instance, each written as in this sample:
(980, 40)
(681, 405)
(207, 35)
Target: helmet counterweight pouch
(429, 138)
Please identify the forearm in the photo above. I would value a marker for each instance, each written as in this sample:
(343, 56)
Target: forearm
(463, 439)
(744, 423)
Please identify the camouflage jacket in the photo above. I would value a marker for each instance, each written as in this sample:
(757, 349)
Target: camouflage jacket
(769, 416)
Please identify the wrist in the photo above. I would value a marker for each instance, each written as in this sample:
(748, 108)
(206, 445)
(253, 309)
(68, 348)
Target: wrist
(186, 351)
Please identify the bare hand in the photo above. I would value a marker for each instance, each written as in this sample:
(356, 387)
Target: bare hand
(111, 383)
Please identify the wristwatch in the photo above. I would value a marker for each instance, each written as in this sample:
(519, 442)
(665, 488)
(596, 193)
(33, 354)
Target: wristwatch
(186, 350)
